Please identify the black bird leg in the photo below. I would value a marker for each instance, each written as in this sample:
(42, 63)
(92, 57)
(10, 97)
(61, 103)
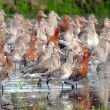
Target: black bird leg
(2, 89)
(39, 83)
(48, 96)
(76, 86)
(15, 66)
(47, 82)
(72, 86)
(62, 85)
(62, 91)
(20, 65)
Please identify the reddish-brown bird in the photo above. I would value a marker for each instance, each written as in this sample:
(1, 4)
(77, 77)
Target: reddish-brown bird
(82, 70)
(9, 63)
(64, 25)
(2, 57)
(55, 38)
(31, 54)
(40, 15)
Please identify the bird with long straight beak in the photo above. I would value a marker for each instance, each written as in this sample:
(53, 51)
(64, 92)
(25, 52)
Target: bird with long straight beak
(64, 25)
(81, 71)
(55, 38)
(88, 34)
(31, 54)
(52, 23)
(64, 72)
(79, 24)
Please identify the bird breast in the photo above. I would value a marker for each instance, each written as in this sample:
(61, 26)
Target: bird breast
(68, 37)
(17, 57)
(67, 71)
(93, 41)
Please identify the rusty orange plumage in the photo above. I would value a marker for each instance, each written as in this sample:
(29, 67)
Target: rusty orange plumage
(55, 37)
(82, 69)
(9, 63)
(64, 25)
(31, 54)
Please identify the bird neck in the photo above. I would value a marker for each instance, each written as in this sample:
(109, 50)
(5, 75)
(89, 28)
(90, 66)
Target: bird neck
(92, 26)
(57, 35)
(39, 19)
(78, 23)
(64, 25)
(32, 45)
(69, 59)
(85, 61)
(70, 29)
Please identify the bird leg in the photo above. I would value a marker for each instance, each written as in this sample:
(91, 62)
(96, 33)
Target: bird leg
(72, 86)
(25, 63)
(20, 65)
(62, 85)
(39, 83)
(2, 89)
(47, 82)
(48, 96)
(62, 91)
(76, 85)
(15, 66)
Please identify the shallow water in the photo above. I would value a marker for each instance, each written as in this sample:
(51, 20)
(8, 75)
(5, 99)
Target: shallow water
(23, 94)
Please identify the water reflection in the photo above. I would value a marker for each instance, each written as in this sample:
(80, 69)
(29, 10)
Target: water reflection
(23, 94)
(81, 99)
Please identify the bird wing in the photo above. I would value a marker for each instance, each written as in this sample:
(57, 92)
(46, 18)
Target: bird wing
(83, 36)
(56, 73)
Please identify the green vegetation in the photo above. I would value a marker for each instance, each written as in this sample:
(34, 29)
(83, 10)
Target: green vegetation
(102, 107)
(29, 8)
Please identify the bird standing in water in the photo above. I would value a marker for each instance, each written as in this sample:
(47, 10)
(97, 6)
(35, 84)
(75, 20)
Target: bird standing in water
(81, 71)
(88, 34)
(31, 54)
(9, 63)
(64, 72)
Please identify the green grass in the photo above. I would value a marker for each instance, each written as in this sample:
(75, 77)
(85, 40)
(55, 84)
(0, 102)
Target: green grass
(70, 7)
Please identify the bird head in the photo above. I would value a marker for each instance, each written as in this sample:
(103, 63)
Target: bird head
(41, 14)
(2, 12)
(107, 23)
(92, 18)
(52, 14)
(87, 53)
(66, 18)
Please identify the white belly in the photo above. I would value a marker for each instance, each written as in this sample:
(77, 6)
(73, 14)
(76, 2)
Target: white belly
(68, 37)
(12, 40)
(65, 76)
(93, 42)
(17, 57)
(67, 72)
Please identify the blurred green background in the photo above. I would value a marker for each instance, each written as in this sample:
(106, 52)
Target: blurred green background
(29, 8)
